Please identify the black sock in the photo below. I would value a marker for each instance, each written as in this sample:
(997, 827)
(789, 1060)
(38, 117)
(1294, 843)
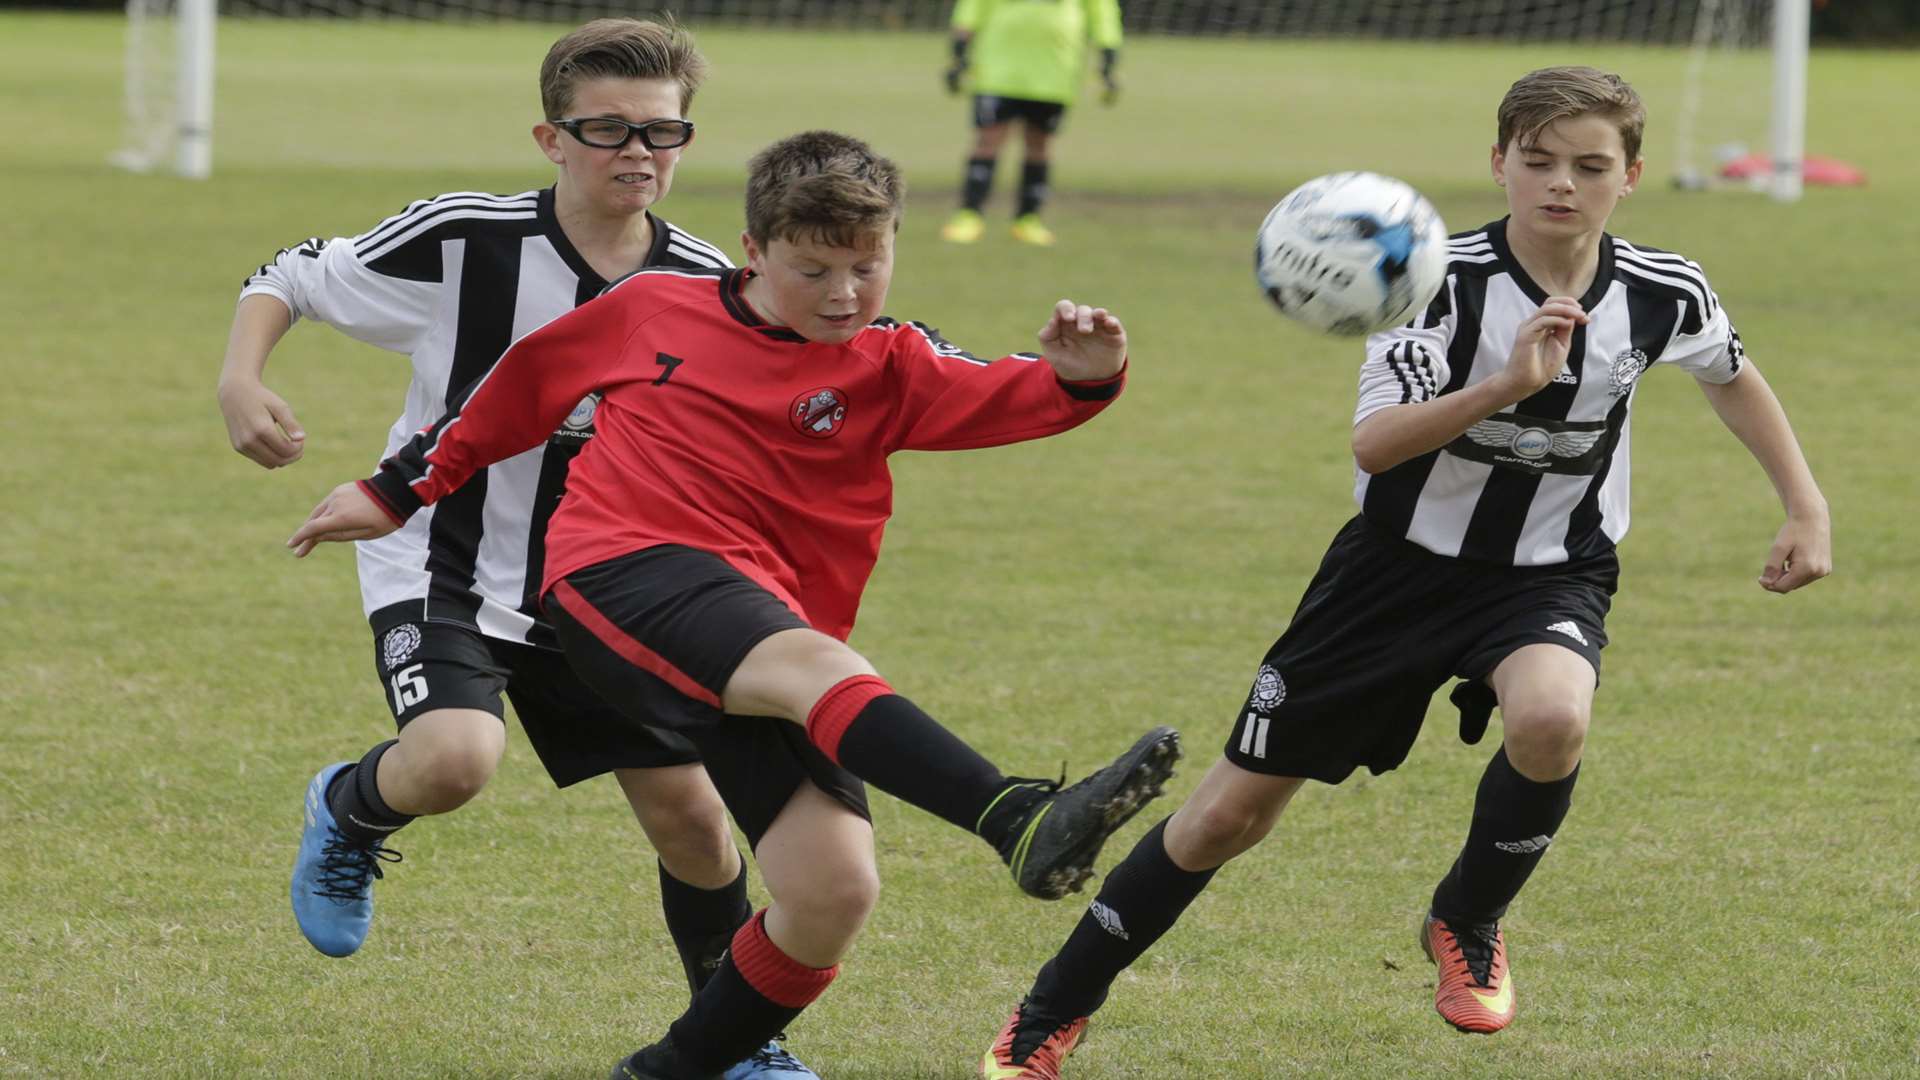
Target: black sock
(702, 921)
(1033, 187)
(1141, 900)
(899, 749)
(353, 797)
(1514, 820)
(978, 182)
(755, 994)
(726, 1021)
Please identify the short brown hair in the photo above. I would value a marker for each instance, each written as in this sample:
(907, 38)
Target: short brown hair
(822, 186)
(619, 49)
(1540, 97)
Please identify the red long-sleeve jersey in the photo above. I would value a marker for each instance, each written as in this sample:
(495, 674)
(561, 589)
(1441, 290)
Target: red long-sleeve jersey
(719, 432)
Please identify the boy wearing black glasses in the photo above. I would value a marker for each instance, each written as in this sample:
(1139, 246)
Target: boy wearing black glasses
(453, 598)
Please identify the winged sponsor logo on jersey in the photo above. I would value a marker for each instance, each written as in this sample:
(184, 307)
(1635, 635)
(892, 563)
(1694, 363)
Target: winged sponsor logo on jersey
(818, 414)
(1626, 369)
(1528, 444)
(578, 426)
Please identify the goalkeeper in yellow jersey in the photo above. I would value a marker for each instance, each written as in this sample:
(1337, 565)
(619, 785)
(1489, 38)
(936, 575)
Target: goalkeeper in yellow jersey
(1027, 59)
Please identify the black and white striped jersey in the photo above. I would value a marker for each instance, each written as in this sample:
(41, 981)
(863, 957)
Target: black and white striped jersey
(451, 282)
(1544, 481)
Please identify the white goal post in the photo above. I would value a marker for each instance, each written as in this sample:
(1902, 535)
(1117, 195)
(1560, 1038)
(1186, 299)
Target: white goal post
(169, 87)
(1788, 137)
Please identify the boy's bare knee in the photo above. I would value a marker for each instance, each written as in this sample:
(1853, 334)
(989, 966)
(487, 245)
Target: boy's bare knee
(1218, 830)
(1544, 739)
(786, 674)
(839, 902)
(457, 774)
(689, 833)
(445, 759)
(1231, 811)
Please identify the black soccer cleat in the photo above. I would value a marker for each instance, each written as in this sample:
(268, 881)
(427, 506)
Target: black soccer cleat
(658, 1062)
(1051, 847)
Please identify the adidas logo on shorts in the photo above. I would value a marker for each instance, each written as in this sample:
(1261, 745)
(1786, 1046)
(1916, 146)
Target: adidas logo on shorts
(1568, 628)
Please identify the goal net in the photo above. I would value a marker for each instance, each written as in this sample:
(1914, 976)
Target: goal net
(1730, 46)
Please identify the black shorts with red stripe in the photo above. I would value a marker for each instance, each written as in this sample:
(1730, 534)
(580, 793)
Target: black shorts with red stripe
(658, 633)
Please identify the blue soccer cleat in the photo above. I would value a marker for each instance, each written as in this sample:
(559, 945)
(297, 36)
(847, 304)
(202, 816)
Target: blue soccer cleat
(332, 877)
(770, 1062)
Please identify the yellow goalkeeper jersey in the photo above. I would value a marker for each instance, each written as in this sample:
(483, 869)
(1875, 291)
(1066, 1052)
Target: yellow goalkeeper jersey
(1035, 49)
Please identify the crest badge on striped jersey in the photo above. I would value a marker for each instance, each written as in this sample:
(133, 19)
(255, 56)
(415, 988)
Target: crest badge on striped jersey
(1626, 369)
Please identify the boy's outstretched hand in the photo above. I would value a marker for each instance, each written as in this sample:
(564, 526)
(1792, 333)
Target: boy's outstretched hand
(347, 513)
(260, 424)
(1084, 344)
(1802, 554)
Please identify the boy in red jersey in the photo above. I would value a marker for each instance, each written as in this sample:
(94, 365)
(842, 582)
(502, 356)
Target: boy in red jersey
(708, 559)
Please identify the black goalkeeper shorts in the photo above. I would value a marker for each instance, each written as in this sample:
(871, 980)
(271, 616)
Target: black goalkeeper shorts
(990, 110)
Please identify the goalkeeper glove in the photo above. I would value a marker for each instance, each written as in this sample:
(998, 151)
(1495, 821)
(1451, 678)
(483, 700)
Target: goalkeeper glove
(1109, 85)
(958, 69)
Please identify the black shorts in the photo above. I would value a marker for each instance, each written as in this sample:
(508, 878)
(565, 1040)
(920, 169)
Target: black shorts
(1384, 624)
(659, 633)
(990, 110)
(425, 666)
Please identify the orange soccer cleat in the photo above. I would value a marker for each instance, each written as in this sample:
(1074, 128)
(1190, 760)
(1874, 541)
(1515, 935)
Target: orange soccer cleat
(1473, 990)
(1031, 1047)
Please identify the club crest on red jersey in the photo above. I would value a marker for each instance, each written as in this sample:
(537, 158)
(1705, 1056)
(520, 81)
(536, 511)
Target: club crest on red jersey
(819, 414)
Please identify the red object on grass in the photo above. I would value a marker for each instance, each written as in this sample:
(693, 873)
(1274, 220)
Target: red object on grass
(1814, 169)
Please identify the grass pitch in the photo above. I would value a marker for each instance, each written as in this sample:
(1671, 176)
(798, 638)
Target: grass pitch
(1733, 896)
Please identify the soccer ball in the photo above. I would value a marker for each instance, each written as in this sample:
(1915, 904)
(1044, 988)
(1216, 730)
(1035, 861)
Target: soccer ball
(1351, 253)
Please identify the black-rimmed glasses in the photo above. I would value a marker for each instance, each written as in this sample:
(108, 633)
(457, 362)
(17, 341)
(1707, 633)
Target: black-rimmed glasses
(610, 134)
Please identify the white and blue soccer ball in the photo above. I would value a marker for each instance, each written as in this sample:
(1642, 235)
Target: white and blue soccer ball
(1351, 253)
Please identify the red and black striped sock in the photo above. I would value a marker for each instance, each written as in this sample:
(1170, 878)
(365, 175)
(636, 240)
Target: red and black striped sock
(890, 743)
(755, 994)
